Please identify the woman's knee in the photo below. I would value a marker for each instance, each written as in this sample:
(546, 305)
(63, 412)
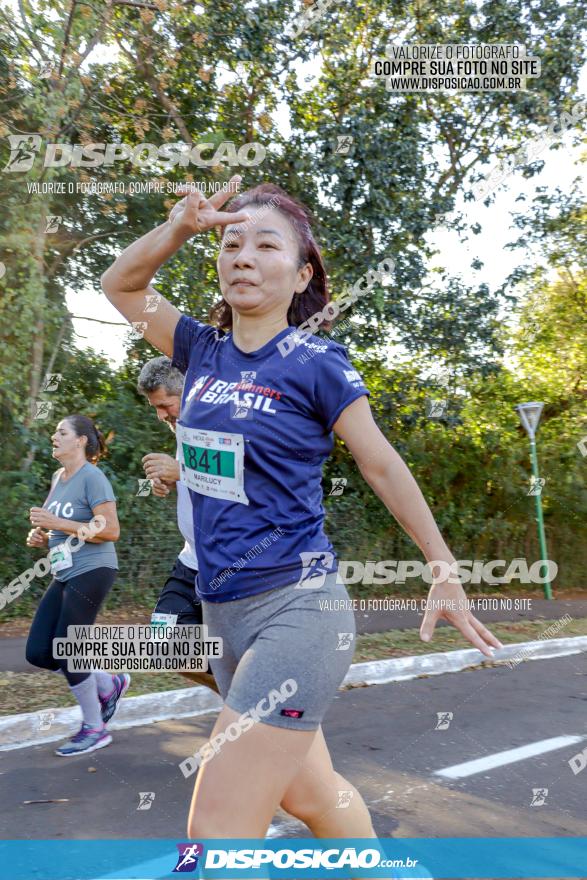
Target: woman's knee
(203, 827)
(40, 658)
(211, 821)
(311, 798)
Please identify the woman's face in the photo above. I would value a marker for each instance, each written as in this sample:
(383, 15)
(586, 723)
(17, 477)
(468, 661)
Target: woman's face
(64, 440)
(258, 266)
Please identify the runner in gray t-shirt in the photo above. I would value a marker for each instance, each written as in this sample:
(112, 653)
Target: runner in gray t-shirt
(75, 499)
(83, 572)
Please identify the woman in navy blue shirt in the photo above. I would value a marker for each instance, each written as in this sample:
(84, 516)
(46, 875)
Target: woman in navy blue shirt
(259, 406)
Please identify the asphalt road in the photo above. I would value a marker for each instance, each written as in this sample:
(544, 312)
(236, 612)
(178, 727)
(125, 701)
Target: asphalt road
(382, 738)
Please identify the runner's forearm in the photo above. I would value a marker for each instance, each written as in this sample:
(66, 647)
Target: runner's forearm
(137, 265)
(71, 527)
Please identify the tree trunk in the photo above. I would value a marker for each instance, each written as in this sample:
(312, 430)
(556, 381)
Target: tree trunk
(38, 339)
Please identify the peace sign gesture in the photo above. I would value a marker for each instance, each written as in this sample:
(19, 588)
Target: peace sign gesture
(127, 283)
(195, 213)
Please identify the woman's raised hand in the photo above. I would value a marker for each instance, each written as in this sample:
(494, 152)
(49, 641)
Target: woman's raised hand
(195, 213)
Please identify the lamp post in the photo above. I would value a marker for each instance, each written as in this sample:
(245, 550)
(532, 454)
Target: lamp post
(529, 414)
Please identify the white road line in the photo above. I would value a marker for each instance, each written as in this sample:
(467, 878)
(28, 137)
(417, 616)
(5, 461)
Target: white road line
(458, 771)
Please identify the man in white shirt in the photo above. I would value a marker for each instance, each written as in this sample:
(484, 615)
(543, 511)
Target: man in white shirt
(162, 385)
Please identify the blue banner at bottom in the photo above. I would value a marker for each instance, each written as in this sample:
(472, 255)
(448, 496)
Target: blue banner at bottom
(557, 858)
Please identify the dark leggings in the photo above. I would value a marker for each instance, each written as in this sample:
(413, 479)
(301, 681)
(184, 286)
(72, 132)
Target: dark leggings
(66, 603)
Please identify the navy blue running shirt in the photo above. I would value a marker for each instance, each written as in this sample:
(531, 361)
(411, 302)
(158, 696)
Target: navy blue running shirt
(255, 429)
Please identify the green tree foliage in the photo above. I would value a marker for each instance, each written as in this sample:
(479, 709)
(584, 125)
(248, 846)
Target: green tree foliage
(129, 72)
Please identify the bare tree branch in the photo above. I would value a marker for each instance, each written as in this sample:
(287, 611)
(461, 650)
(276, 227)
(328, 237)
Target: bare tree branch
(31, 36)
(133, 3)
(144, 68)
(96, 38)
(99, 321)
(66, 38)
(72, 246)
(51, 364)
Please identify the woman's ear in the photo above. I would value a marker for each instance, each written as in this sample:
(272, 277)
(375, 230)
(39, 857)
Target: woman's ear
(305, 275)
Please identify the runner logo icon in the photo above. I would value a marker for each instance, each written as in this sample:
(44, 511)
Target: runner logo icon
(187, 861)
(444, 719)
(345, 641)
(315, 567)
(241, 411)
(21, 158)
(539, 796)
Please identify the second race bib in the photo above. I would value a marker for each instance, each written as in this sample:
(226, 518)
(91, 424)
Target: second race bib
(60, 558)
(212, 463)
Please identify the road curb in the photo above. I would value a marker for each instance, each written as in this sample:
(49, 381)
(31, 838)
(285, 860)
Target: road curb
(404, 668)
(22, 731)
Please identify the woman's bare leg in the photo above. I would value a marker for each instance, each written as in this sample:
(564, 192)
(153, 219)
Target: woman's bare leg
(238, 791)
(317, 792)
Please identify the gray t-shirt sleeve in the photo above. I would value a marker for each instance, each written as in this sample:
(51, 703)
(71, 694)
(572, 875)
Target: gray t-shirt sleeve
(98, 488)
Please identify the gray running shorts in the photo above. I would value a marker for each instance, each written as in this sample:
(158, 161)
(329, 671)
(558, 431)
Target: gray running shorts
(285, 651)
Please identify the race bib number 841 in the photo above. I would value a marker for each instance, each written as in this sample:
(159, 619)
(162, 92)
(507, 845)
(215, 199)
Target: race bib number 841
(212, 463)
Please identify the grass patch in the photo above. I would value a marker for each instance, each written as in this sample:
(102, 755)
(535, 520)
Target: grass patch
(402, 643)
(32, 692)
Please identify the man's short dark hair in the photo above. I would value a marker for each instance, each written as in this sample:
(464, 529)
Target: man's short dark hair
(160, 373)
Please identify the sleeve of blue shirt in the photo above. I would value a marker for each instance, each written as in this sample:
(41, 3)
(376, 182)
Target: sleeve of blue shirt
(336, 384)
(188, 333)
(98, 488)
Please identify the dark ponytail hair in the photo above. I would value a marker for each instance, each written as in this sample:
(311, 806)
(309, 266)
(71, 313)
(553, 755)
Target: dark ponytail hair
(316, 295)
(84, 427)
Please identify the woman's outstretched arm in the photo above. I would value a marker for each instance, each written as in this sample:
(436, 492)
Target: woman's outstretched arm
(390, 478)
